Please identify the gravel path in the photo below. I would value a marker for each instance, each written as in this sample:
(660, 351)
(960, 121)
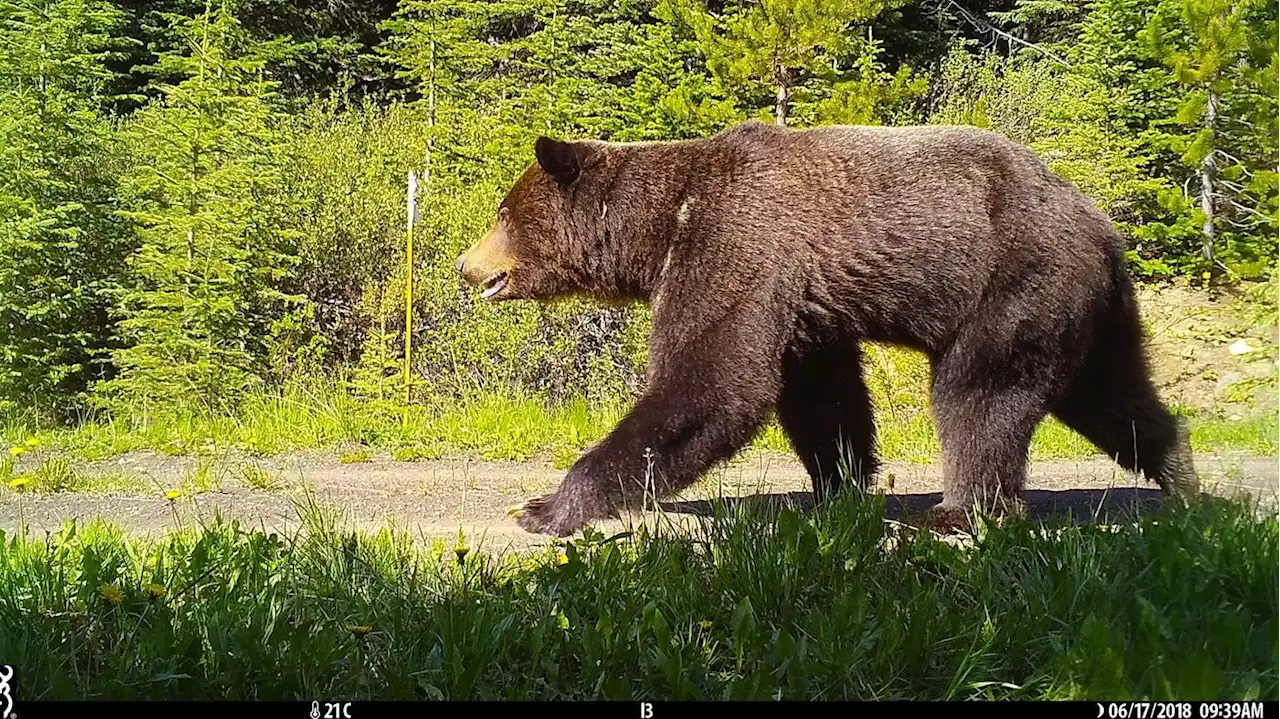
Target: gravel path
(437, 498)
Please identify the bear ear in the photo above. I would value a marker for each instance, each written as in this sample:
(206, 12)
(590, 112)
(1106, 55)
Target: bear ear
(561, 160)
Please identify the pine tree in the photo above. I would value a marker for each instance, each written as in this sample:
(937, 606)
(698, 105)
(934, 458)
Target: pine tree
(1048, 24)
(317, 47)
(1251, 228)
(1204, 48)
(376, 380)
(1100, 134)
(1190, 180)
(777, 46)
(61, 247)
(204, 303)
(673, 94)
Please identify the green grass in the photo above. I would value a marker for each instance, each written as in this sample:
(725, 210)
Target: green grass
(255, 477)
(204, 477)
(498, 427)
(44, 471)
(1255, 434)
(1182, 605)
(503, 427)
(358, 456)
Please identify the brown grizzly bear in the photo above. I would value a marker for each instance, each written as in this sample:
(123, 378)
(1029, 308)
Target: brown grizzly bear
(769, 254)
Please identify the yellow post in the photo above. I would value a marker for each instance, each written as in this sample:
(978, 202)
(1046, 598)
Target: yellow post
(408, 294)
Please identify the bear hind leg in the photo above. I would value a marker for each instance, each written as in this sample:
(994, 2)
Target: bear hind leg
(1113, 404)
(825, 410)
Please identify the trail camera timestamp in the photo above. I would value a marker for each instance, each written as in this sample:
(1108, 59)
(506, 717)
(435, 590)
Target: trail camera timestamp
(1181, 710)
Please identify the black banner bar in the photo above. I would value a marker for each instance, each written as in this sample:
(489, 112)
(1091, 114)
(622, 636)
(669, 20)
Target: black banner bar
(337, 709)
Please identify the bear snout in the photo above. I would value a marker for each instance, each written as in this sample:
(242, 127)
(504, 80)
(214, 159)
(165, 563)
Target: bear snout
(477, 273)
(487, 259)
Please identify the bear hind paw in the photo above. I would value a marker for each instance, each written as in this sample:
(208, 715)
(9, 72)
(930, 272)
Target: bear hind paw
(546, 515)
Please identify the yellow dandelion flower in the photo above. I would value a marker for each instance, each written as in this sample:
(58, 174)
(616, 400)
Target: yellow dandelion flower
(359, 629)
(20, 482)
(460, 547)
(562, 558)
(172, 494)
(111, 593)
(17, 450)
(155, 590)
(33, 442)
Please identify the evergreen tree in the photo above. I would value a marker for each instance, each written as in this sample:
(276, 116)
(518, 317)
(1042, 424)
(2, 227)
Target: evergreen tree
(204, 305)
(1217, 39)
(1049, 24)
(61, 247)
(1250, 234)
(1134, 129)
(376, 379)
(312, 47)
(1204, 53)
(1099, 136)
(673, 95)
(776, 47)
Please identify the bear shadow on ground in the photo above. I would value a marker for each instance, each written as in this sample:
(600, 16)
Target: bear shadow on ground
(1079, 505)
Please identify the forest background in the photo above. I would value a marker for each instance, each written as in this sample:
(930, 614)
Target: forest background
(203, 203)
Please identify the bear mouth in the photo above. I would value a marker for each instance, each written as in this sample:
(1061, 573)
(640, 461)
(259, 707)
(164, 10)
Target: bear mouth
(494, 285)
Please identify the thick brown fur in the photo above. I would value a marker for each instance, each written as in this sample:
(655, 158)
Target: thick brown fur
(769, 254)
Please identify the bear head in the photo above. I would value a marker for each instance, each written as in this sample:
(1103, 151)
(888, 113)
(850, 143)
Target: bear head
(538, 246)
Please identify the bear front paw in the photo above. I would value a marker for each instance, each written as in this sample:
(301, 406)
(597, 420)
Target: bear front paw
(947, 518)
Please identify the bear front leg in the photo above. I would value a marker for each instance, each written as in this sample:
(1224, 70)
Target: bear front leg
(704, 403)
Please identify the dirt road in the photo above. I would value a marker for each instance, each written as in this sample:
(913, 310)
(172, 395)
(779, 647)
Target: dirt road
(437, 498)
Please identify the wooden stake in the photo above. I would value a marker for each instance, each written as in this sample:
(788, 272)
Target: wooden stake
(408, 292)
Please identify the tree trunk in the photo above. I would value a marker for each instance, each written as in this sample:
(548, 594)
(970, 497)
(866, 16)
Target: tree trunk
(782, 98)
(431, 113)
(1207, 176)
